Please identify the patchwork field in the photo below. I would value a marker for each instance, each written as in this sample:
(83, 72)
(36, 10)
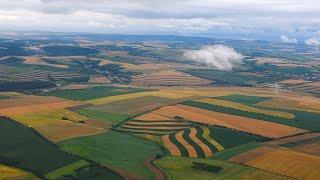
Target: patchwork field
(254, 126)
(281, 161)
(99, 79)
(37, 149)
(243, 107)
(118, 150)
(134, 106)
(169, 78)
(302, 119)
(91, 92)
(48, 116)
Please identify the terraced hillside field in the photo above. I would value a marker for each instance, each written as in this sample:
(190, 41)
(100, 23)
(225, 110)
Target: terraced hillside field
(154, 127)
(205, 142)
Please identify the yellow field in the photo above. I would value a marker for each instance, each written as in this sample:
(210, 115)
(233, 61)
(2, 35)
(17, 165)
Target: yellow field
(289, 163)
(242, 107)
(47, 117)
(206, 135)
(160, 93)
(304, 103)
(35, 108)
(7, 172)
(38, 61)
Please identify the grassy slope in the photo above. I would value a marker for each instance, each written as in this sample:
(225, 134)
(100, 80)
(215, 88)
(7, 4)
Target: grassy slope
(90, 93)
(229, 138)
(181, 168)
(243, 99)
(116, 149)
(110, 118)
(3, 97)
(229, 153)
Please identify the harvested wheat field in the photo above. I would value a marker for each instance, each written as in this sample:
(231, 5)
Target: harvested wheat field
(152, 117)
(7, 172)
(304, 103)
(160, 93)
(312, 148)
(290, 163)
(99, 79)
(62, 130)
(169, 78)
(243, 107)
(38, 61)
(254, 126)
(25, 100)
(174, 150)
(44, 107)
(293, 139)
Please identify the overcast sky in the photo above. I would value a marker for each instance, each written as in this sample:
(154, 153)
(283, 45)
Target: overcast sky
(283, 20)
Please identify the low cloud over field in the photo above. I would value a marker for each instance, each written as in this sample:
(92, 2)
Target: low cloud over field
(218, 56)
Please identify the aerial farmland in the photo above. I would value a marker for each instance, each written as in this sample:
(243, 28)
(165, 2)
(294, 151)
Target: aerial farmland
(114, 108)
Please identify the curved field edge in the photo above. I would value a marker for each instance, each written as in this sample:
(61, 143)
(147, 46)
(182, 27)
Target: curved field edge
(119, 150)
(28, 150)
(8, 172)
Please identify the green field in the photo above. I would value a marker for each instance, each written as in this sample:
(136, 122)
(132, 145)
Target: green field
(133, 106)
(3, 97)
(243, 99)
(301, 142)
(229, 153)
(117, 150)
(229, 138)
(109, 118)
(91, 92)
(22, 147)
(181, 168)
(304, 120)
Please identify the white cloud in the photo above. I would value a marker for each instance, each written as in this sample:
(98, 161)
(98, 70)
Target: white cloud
(287, 39)
(313, 41)
(205, 17)
(218, 56)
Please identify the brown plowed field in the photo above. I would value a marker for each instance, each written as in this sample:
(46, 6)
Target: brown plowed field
(62, 130)
(152, 117)
(174, 150)
(207, 151)
(191, 151)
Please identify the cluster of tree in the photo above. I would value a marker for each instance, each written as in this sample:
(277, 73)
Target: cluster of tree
(206, 167)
